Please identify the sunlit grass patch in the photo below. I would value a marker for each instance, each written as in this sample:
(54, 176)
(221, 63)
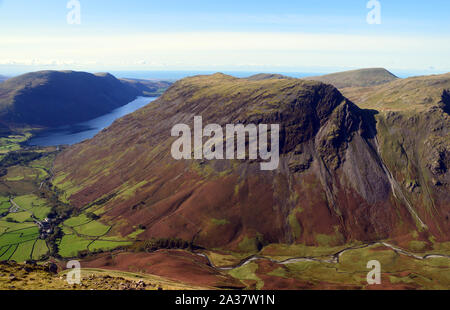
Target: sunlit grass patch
(40, 249)
(32, 203)
(8, 251)
(72, 244)
(93, 229)
(4, 204)
(19, 217)
(11, 226)
(77, 221)
(106, 245)
(19, 236)
(23, 251)
(61, 182)
(12, 142)
(248, 273)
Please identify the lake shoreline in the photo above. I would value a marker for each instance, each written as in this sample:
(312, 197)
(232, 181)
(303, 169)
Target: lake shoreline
(76, 133)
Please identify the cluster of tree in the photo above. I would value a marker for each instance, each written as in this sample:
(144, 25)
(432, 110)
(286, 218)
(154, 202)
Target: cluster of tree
(60, 212)
(104, 200)
(100, 201)
(19, 158)
(87, 253)
(162, 243)
(52, 239)
(92, 216)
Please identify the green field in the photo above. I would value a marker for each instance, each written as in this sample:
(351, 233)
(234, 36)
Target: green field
(19, 236)
(92, 229)
(23, 251)
(82, 234)
(7, 251)
(20, 217)
(77, 221)
(29, 205)
(17, 241)
(18, 232)
(12, 142)
(10, 227)
(38, 206)
(4, 204)
(107, 244)
(40, 249)
(71, 244)
(23, 173)
(32, 249)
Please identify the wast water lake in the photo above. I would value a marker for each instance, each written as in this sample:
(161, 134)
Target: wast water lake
(68, 135)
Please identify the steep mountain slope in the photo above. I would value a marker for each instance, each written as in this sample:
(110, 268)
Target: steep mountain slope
(413, 127)
(331, 186)
(356, 78)
(53, 98)
(3, 78)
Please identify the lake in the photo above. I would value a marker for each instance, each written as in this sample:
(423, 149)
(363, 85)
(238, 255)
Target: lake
(68, 135)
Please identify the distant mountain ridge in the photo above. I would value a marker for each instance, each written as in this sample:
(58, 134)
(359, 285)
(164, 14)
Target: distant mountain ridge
(55, 98)
(267, 76)
(416, 92)
(356, 78)
(150, 88)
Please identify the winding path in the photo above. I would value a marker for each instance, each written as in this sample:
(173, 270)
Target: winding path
(15, 205)
(333, 259)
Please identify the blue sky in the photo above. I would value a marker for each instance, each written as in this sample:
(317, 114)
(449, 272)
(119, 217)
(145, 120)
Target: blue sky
(247, 35)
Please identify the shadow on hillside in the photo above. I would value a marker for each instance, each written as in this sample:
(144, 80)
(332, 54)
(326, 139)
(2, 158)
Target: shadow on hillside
(370, 123)
(446, 100)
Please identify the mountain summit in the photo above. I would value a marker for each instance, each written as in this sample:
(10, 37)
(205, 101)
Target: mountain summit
(356, 78)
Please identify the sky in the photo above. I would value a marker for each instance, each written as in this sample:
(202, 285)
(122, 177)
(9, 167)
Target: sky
(413, 37)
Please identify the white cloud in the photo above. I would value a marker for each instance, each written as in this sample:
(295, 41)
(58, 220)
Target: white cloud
(227, 49)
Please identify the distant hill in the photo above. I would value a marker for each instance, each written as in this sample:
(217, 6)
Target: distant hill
(55, 98)
(356, 78)
(148, 87)
(267, 76)
(3, 78)
(415, 93)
